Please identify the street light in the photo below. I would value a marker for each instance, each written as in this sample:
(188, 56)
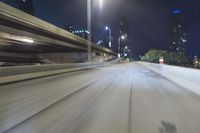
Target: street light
(119, 44)
(89, 15)
(89, 25)
(101, 3)
(110, 36)
(123, 37)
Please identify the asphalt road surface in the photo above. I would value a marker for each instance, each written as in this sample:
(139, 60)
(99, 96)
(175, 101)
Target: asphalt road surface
(125, 98)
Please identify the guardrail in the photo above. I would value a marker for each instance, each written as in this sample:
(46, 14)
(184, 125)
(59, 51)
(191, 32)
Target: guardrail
(15, 74)
(46, 29)
(185, 77)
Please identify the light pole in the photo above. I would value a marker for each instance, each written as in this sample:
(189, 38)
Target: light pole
(110, 36)
(119, 45)
(89, 26)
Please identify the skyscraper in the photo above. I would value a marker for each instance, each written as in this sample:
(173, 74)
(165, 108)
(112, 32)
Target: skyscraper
(24, 5)
(124, 31)
(123, 26)
(178, 31)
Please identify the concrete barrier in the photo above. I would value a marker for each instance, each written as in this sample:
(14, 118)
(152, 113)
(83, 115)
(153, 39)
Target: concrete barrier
(185, 77)
(15, 74)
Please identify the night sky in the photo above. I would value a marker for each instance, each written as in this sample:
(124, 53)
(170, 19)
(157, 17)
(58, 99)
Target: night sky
(148, 20)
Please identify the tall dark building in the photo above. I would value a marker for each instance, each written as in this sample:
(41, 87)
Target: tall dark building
(24, 5)
(178, 31)
(123, 26)
(124, 31)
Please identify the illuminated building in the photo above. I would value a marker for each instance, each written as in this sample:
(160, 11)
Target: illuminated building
(178, 31)
(124, 32)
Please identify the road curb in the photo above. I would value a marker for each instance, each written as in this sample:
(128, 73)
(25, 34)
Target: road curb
(23, 77)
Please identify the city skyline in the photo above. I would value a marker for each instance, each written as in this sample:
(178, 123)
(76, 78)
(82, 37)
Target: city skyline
(148, 25)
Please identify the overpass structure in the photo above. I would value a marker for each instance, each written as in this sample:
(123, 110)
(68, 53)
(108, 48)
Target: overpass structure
(22, 33)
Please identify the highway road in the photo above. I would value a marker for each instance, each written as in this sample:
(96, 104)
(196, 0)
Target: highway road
(123, 98)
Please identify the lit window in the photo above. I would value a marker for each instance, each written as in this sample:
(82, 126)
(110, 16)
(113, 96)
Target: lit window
(184, 40)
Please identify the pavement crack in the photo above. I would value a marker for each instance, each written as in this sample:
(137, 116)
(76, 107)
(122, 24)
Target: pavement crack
(54, 104)
(130, 108)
